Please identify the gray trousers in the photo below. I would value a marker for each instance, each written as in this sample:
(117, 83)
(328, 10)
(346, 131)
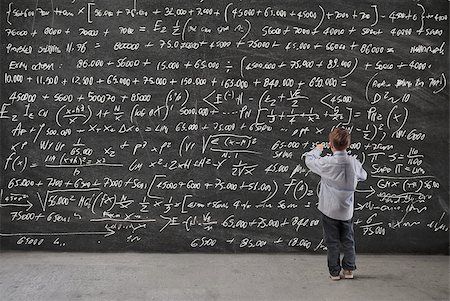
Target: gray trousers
(338, 233)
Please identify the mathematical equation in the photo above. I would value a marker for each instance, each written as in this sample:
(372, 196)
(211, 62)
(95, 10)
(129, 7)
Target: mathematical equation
(158, 125)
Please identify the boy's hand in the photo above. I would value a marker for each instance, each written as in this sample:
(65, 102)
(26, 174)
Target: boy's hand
(320, 146)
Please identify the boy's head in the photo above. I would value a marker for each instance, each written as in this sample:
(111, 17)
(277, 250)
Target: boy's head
(339, 139)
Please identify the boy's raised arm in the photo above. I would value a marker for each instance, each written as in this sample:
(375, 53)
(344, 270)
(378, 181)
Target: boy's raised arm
(312, 159)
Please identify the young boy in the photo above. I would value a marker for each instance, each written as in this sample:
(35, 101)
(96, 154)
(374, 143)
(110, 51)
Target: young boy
(339, 174)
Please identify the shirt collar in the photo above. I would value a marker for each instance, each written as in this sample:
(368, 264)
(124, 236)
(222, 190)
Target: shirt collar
(340, 153)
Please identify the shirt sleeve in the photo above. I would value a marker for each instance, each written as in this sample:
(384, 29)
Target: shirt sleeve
(312, 160)
(361, 174)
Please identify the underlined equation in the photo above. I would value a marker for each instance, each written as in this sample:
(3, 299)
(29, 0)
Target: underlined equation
(166, 126)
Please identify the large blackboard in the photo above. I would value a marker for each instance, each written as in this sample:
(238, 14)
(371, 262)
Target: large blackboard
(176, 126)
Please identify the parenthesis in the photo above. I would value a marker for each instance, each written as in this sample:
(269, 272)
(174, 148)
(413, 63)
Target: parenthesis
(180, 151)
(295, 192)
(26, 163)
(226, 12)
(306, 190)
(367, 86)
(242, 66)
(404, 185)
(187, 97)
(184, 28)
(356, 64)
(375, 132)
(61, 159)
(421, 185)
(57, 116)
(422, 16)
(90, 115)
(227, 93)
(443, 86)
(114, 204)
(248, 30)
(321, 20)
(132, 112)
(389, 117)
(270, 196)
(187, 224)
(95, 202)
(167, 112)
(404, 120)
(14, 163)
(363, 158)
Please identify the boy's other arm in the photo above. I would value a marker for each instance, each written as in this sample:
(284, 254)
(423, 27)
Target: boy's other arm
(361, 174)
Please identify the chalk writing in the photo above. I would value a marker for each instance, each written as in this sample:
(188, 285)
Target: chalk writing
(180, 126)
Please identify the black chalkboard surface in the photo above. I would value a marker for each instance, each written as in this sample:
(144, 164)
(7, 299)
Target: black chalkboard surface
(176, 126)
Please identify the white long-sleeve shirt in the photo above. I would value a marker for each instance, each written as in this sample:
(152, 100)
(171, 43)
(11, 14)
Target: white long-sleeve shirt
(339, 174)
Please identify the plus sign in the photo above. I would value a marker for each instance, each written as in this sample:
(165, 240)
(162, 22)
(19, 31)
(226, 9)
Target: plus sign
(353, 45)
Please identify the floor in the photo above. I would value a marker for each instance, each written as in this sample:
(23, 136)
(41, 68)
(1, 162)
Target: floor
(137, 276)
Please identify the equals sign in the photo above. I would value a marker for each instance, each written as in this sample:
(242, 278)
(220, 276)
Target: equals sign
(344, 83)
(97, 45)
(142, 29)
(357, 114)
